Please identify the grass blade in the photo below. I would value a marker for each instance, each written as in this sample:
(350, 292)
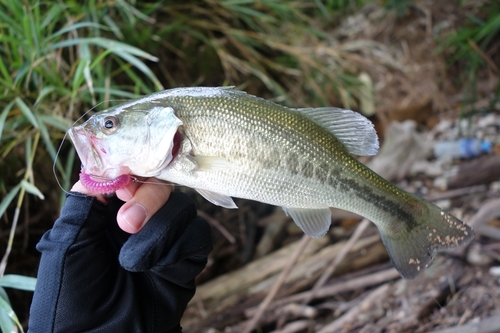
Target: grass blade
(115, 46)
(50, 146)
(44, 92)
(142, 67)
(32, 189)
(6, 324)
(7, 309)
(3, 117)
(27, 112)
(76, 26)
(18, 282)
(8, 199)
(60, 123)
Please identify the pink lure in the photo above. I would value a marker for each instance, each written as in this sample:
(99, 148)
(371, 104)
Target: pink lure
(103, 187)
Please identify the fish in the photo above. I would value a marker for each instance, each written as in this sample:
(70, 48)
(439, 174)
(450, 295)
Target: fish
(226, 144)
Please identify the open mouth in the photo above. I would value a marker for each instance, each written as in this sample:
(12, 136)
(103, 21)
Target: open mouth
(87, 149)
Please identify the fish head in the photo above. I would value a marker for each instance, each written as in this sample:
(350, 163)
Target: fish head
(134, 140)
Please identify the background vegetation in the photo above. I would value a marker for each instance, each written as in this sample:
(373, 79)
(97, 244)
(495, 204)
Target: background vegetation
(59, 59)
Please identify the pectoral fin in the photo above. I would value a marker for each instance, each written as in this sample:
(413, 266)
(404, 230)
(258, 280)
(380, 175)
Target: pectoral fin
(313, 222)
(211, 163)
(218, 199)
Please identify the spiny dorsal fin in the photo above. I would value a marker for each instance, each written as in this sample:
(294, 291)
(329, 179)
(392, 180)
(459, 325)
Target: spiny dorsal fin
(353, 129)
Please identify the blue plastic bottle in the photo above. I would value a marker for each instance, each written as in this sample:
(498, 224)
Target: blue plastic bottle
(463, 148)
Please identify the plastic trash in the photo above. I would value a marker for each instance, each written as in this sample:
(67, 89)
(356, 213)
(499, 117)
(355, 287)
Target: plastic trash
(463, 148)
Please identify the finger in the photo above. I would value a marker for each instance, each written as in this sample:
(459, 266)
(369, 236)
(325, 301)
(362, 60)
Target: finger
(78, 187)
(127, 193)
(146, 200)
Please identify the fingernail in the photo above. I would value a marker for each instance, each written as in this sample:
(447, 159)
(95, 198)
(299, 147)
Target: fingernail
(135, 216)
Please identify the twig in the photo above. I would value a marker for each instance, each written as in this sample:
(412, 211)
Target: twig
(218, 226)
(344, 286)
(265, 303)
(489, 231)
(483, 55)
(200, 306)
(336, 261)
(457, 192)
(351, 314)
(487, 211)
(488, 325)
(296, 326)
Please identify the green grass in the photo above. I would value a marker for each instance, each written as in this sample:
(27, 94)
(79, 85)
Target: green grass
(253, 43)
(469, 47)
(56, 60)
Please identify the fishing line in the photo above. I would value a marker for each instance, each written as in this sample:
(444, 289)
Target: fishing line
(110, 185)
(136, 180)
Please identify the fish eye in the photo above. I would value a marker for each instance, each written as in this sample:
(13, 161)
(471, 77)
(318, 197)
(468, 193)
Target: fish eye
(110, 124)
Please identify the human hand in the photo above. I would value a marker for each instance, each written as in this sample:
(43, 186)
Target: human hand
(143, 199)
(94, 277)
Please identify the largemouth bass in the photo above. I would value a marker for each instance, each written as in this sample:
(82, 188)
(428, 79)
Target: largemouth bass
(225, 143)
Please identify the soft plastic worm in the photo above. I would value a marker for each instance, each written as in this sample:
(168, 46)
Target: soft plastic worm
(107, 186)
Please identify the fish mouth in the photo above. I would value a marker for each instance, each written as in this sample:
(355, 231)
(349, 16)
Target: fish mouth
(85, 145)
(96, 174)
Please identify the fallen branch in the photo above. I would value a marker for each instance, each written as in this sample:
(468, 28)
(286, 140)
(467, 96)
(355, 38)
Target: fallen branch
(356, 310)
(265, 303)
(334, 289)
(482, 170)
(239, 281)
(336, 261)
(489, 231)
(488, 211)
(218, 226)
(296, 326)
(488, 325)
(456, 192)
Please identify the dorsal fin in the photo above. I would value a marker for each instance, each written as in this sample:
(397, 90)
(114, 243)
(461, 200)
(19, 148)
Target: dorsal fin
(354, 130)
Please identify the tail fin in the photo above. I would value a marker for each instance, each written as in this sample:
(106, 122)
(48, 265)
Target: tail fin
(412, 249)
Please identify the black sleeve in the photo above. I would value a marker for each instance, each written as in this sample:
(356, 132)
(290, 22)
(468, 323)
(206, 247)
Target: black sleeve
(95, 278)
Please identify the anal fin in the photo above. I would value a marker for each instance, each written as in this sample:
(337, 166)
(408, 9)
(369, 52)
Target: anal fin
(313, 222)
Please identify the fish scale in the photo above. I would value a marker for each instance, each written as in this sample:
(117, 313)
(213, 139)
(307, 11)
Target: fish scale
(239, 145)
(252, 184)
